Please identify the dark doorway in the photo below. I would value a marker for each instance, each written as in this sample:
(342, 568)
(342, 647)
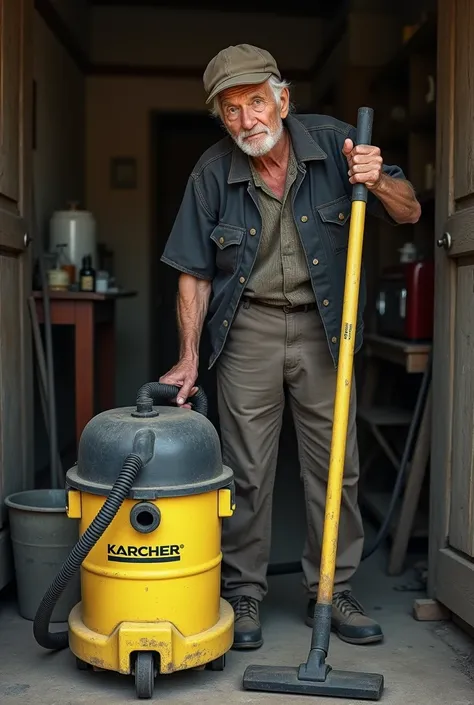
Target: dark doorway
(179, 139)
(178, 142)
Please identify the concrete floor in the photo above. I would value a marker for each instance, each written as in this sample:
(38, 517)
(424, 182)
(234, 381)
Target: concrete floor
(423, 663)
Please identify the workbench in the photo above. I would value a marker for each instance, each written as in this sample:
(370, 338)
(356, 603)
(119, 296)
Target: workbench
(93, 318)
(413, 358)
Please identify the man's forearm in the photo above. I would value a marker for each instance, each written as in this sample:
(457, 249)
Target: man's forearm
(193, 302)
(398, 198)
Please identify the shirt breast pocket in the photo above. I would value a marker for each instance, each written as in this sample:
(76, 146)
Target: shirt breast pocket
(228, 239)
(336, 218)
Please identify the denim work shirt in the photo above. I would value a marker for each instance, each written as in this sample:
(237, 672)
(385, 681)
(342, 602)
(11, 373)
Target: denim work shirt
(217, 230)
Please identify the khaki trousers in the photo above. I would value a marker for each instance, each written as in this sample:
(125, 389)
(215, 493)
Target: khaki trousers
(266, 348)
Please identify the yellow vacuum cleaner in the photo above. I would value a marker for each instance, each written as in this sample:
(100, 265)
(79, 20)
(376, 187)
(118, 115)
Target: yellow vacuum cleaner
(316, 677)
(150, 491)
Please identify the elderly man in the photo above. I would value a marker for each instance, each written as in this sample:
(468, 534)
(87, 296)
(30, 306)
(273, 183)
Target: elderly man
(261, 243)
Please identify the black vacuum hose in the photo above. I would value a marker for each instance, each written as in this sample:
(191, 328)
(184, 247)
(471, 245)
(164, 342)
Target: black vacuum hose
(144, 444)
(157, 392)
(59, 640)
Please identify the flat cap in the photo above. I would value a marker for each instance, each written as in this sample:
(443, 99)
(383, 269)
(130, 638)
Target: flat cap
(238, 65)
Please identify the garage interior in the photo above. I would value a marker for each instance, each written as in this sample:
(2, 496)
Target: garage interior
(119, 121)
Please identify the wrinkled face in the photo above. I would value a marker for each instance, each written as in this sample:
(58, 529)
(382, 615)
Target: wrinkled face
(253, 117)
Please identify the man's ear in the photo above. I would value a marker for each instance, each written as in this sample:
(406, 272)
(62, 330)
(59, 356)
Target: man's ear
(284, 103)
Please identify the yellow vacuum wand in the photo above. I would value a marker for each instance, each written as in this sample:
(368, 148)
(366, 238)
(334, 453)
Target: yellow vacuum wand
(343, 385)
(316, 677)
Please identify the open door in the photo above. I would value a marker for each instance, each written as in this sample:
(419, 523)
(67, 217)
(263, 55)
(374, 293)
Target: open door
(16, 402)
(451, 565)
(180, 140)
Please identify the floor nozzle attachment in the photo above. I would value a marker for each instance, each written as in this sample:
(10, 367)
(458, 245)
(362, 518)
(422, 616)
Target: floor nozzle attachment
(336, 684)
(315, 668)
(315, 676)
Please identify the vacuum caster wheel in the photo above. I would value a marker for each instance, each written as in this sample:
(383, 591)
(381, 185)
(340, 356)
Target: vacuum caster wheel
(144, 675)
(218, 664)
(82, 665)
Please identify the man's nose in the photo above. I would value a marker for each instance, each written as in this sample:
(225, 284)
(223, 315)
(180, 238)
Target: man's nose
(248, 118)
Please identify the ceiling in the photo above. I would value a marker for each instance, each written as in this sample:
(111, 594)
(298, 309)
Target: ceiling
(306, 8)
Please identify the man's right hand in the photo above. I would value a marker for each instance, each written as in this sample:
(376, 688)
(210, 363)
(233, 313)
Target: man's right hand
(184, 375)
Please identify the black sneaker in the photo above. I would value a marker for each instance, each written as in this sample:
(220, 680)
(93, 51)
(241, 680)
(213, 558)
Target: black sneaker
(247, 629)
(349, 620)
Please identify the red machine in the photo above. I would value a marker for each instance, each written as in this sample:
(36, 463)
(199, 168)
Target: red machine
(405, 301)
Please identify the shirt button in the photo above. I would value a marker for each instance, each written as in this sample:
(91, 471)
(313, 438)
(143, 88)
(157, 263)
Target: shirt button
(334, 339)
(326, 302)
(221, 240)
(304, 218)
(341, 216)
(253, 231)
(315, 261)
(225, 323)
(242, 280)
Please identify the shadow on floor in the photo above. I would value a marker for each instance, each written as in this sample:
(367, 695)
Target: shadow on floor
(418, 660)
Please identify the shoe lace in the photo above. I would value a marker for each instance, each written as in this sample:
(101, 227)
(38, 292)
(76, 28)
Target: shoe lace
(347, 604)
(245, 607)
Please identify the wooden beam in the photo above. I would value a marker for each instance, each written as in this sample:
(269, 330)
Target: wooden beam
(178, 72)
(336, 34)
(63, 34)
(301, 8)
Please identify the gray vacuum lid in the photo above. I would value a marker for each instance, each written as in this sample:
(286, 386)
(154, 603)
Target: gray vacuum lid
(187, 455)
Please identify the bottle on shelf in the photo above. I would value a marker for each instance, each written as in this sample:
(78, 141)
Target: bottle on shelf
(58, 279)
(65, 264)
(87, 275)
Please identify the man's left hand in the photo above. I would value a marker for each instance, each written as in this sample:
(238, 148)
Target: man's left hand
(365, 164)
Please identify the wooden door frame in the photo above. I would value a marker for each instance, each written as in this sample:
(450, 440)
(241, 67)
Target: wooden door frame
(26, 206)
(24, 395)
(443, 585)
(445, 271)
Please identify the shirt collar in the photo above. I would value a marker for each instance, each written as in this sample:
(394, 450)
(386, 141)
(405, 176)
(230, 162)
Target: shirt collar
(305, 148)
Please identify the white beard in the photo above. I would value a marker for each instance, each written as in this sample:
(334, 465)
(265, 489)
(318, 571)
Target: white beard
(261, 146)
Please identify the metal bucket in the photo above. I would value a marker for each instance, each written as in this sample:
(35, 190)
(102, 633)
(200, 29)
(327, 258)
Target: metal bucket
(42, 538)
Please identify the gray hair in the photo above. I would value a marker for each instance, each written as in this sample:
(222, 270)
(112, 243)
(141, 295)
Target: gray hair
(276, 86)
